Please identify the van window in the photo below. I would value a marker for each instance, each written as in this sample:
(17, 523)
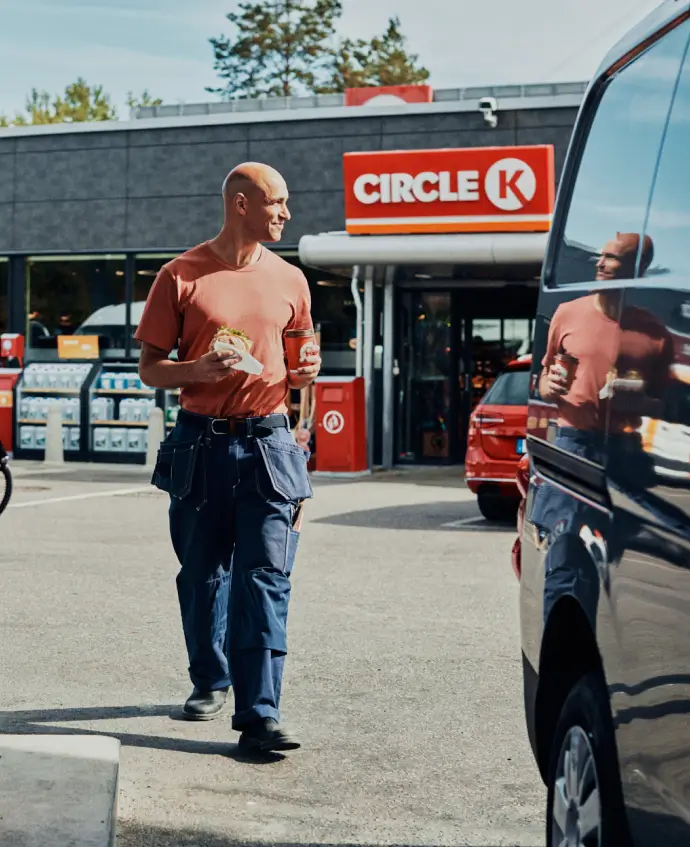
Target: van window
(614, 179)
(510, 389)
(669, 212)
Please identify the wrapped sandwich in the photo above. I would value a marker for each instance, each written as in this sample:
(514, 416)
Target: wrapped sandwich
(236, 341)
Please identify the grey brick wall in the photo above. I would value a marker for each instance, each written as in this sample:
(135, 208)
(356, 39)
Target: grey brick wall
(159, 188)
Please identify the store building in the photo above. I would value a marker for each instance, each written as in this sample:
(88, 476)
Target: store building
(89, 213)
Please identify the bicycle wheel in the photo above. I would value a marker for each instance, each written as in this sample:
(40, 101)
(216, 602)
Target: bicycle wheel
(5, 487)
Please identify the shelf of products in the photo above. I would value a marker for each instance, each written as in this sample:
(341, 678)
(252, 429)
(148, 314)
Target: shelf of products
(119, 410)
(43, 391)
(120, 423)
(171, 407)
(135, 392)
(45, 385)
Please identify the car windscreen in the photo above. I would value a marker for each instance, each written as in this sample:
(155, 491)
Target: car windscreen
(510, 389)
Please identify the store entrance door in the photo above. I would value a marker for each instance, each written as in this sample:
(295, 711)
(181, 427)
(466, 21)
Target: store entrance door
(451, 347)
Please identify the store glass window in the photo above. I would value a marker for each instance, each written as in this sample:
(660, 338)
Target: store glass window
(146, 269)
(333, 312)
(4, 295)
(335, 315)
(517, 336)
(70, 295)
(617, 168)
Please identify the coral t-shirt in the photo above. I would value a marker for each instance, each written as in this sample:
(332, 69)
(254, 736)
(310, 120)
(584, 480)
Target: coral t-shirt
(637, 343)
(196, 294)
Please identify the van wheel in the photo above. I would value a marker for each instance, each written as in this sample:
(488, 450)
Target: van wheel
(585, 801)
(496, 508)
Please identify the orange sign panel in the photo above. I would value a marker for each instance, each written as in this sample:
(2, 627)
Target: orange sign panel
(388, 95)
(5, 399)
(78, 346)
(480, 189)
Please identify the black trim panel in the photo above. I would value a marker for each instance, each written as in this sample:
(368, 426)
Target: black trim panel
(580, 476)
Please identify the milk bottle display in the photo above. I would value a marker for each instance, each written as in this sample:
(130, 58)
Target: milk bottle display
(102, 408)
(101, 439)
(27, 437)
(136, 440)
(126, 409)
(118, 440)
(74, 438)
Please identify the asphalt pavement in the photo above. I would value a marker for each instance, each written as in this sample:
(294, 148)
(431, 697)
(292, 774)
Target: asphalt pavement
(403, 681)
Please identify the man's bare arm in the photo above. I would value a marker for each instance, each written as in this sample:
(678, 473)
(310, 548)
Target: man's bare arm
(552, 386)
(159, 371)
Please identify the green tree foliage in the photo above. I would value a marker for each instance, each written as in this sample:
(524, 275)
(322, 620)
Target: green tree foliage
(79, 102)
(389, 63)
(281, 48)
(383, 60)
(290, 47)
(143, 101)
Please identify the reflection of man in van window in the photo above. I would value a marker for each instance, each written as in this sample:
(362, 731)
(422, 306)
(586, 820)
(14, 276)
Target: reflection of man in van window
(613, 354)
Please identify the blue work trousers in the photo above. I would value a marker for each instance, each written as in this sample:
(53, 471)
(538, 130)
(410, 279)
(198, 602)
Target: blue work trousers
(234, 503)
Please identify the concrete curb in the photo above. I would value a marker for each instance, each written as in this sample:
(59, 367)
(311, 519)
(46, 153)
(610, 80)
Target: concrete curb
(58, 789)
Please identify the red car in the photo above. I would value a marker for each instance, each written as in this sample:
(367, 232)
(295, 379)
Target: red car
(523, 475)
(496, 442)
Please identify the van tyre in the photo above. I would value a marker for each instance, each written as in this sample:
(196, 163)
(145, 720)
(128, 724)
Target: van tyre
(496, 508)
(585, 802)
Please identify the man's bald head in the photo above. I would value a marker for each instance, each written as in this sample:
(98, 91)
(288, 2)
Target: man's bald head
(618, 259)
(255, 198)
(250, 177)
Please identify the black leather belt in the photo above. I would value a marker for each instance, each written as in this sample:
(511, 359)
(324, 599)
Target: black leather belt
(235, 426)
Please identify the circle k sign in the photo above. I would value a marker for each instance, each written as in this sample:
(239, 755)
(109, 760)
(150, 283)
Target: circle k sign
(510, 184)
(333, 422)
(490, 189)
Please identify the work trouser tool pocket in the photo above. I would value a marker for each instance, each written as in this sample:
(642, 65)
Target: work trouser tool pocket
(284, 470)
(175, 466)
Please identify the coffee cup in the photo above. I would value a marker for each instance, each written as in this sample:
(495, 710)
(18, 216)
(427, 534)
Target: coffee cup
(298, 345)
(567, 366)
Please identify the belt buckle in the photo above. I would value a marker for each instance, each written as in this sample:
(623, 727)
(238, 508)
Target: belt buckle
(213, 426)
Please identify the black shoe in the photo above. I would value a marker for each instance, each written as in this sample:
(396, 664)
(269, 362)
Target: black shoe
(205, 705)
(265, 736)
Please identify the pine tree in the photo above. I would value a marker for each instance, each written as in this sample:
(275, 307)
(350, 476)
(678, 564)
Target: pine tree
(281, 48)
(382, 61)
(80, 102)
(143, 101)
(389, 63)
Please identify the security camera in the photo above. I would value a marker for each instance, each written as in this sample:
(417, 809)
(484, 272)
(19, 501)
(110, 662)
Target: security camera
(488, 106)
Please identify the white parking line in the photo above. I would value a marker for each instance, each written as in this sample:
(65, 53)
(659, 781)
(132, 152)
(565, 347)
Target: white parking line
(477, 523)
(464, 522)
(118, 492)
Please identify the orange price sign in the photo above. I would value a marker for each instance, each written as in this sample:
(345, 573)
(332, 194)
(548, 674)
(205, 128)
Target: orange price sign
(78, 346)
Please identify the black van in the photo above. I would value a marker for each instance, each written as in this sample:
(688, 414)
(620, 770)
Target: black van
(605, 582)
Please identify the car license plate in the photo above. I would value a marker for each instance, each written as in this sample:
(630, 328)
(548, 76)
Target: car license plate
(521, 445)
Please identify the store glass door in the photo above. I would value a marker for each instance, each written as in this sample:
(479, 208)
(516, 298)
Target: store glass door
(426, 404)
(451, 349)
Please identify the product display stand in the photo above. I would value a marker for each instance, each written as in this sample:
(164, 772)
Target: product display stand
(42, 385)
(119, 407)
(170, 403)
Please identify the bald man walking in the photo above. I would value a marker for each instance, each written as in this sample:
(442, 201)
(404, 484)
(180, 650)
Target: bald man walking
(235, 476)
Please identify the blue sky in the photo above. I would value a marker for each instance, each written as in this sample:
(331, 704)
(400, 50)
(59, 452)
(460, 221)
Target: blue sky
(163, 45)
